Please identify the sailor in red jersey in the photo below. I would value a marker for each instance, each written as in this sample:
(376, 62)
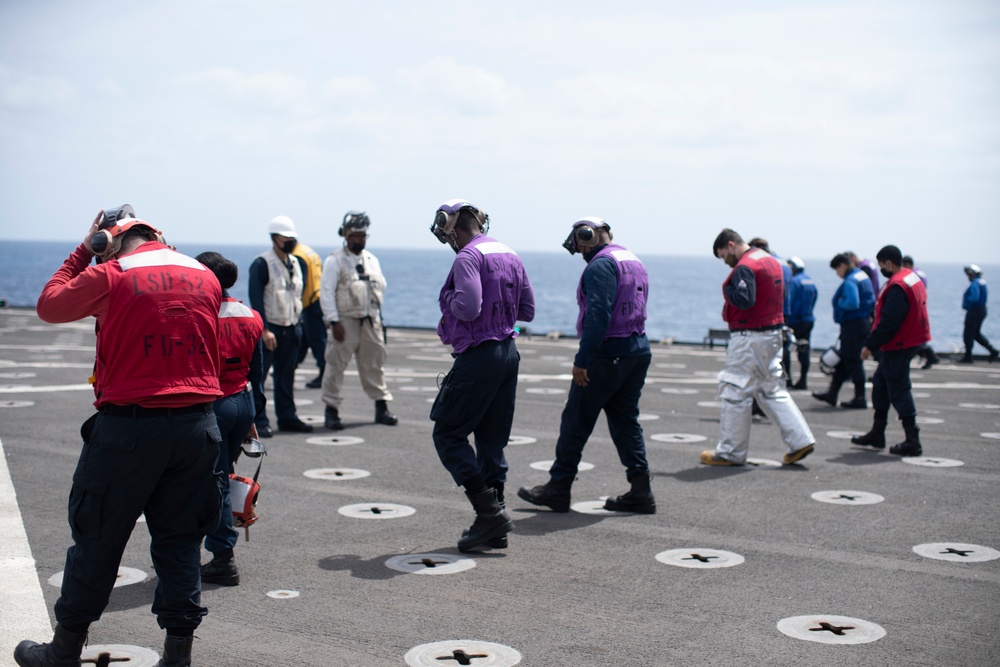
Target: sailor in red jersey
(901, 328)
(241, 352)
(754, 296)
(152, 446)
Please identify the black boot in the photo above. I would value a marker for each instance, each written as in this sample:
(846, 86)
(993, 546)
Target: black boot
(221, 570)
(830, 395)
(176, 652)
(638, 499)
(856, 403)
(331, 419)
(554, 495)
(801, 384)
(491, 521)
(63, 651)
(382, 414)
(875, 437)
(910, 446)
(495, 542)
(994, 355)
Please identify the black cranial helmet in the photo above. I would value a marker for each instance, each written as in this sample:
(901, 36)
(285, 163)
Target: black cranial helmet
(354, 221)
(447, 217)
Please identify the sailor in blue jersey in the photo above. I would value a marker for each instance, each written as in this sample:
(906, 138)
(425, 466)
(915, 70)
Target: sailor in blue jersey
(800, 300)
(609, 370)
(974, 305)
(852, 307)
(484, 295)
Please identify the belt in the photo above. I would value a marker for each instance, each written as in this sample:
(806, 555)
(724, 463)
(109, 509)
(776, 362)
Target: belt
(775, 327)
(139, 411)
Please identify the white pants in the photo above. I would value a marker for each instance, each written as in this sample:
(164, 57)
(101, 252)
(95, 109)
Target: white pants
(753, 371)
(363, 341)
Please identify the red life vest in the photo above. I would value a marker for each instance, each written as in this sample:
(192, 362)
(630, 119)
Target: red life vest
(240, 327)
(916, 327)
(160, 337)
(768, 308)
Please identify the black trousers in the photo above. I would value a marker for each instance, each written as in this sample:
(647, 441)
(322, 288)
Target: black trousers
(891, 384)
(477, 398)
(852, 338)
(615, 387)
(802, 331)
(974, 318)
(162, 466)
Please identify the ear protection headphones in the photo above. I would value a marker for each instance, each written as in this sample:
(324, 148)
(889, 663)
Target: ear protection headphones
(585, 234)
(447, 217)
(354, 221)
(114, 223)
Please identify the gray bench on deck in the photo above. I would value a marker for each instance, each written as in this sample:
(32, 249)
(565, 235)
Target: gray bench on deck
(714, 335)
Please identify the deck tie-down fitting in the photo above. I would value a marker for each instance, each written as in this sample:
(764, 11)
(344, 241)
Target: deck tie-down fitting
(463, 658)
(829, 627)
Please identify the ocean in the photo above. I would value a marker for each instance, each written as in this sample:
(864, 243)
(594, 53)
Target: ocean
(685, 297)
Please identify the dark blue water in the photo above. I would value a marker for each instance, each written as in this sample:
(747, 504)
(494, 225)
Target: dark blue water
(685, 295)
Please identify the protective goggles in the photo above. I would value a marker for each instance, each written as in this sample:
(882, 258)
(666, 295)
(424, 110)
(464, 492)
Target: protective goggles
(114, 223)
(447, 217)
(354, 221)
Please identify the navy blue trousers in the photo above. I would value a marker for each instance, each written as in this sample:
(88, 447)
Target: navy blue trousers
(313, 336)
(891, 384)
(284, 358)
(973, 331)
(477, 398)
(615, 387)
(161, 466)
(852, 339)
(235, 415)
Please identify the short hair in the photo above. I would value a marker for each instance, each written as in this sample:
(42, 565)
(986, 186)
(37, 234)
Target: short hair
(907, 260)
(468, 221)
(890, 253)
(758, 242)
(225, 270)
(723, 239)
(840, 258)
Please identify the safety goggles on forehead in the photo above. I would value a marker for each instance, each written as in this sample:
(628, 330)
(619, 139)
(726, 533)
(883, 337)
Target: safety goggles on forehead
(447, 217)
(584, 233)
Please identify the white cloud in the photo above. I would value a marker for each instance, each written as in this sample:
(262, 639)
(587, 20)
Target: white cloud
(445, 83)
(348, 88)
(265, 92)
(25, 92)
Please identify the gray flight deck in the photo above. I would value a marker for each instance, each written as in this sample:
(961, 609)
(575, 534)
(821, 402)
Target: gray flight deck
(572, 590)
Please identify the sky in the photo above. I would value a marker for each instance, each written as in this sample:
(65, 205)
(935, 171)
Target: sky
(819, 125)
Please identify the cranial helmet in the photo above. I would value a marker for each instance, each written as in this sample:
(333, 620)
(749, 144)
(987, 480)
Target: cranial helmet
(354, 221)
(585, 234)
(107, 241)
(447, 217)
(972, 270)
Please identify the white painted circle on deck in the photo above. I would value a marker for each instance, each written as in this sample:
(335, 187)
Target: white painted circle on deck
(829, 629)
(929, 420)
(681, 391)
(515, 440)
(980, 406)
(120, 655)
(376, 511)
(126, 577)
(702, 559)
(283, 594)
(462, 652)
(709, 404)
(336, 474)
(645, 417)
(546, 465)
(992, 436)
(847, 497)
(678, 437)
(763, 463)
(335, 440)
(311, 419)
(303, 401)
(956, 552)
(932, 462)
(547, 391)
(430, 563)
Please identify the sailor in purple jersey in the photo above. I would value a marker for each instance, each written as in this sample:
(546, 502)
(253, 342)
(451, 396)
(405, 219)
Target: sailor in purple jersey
(609, 370)
(487, 291)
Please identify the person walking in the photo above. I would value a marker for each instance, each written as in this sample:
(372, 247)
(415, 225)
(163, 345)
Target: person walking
(152, 446)
(486, 292)
(275, 289)
(974, 305)
(753, 301)
(351, 294)
(241, 381)
(901, 326)
(801, 299)
(852, 304)
(925, 351)
(609, 370)
(313, 327)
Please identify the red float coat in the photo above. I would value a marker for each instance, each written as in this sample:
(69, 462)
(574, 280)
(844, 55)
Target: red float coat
(157, 324)
(768, 308)
(916, 327)
(240, 327)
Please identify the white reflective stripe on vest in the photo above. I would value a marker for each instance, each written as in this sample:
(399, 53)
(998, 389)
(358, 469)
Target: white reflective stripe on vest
(234, 309)
(624, 255)
(161, 257)
(912, 279)
(493, 248)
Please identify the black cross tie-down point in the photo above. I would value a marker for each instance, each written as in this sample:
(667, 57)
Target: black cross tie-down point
(102, 660)
(380, 510)
(958, 552)
(847, 497)
(463, 658)
(429, 562)
(829, 627)
(699, 557)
